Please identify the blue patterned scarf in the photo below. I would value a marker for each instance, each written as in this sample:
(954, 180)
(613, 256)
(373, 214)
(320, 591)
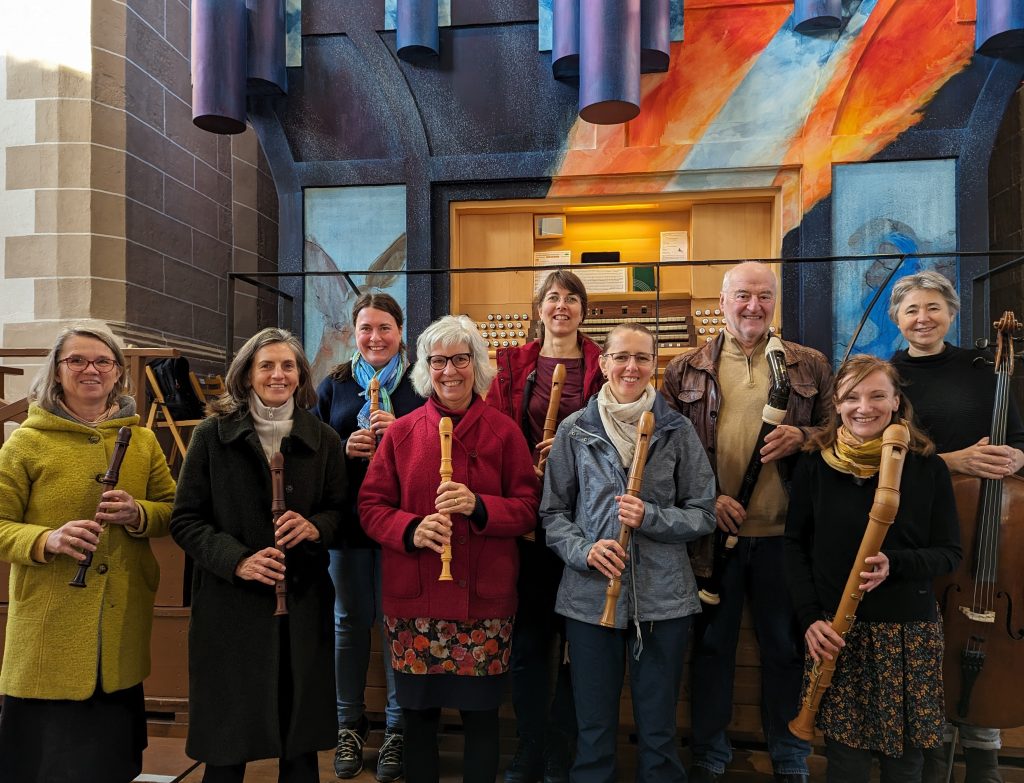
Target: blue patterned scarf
(389, 376)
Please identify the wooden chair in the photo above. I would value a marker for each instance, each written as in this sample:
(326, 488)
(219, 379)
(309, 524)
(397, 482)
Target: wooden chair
(160, 417)
(12, 411)
(208, 386)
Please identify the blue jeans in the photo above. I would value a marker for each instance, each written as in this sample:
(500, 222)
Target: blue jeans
(974, 736)
(754, 572)
(357, 609)
(599, 656)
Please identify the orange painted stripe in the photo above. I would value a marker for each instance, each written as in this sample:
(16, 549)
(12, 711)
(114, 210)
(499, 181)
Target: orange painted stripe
(722, 44)
(907, 50)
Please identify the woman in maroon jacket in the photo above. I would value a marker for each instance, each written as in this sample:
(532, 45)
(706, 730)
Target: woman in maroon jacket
(450, 641)
(545, 718)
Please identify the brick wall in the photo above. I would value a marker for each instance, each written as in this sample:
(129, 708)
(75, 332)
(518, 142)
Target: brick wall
(198, 205)
(114, 208)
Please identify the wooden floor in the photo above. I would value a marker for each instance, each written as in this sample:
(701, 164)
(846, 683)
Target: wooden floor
(166, 762)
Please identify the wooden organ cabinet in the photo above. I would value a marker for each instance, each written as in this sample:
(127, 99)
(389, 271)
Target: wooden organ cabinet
(679, 303)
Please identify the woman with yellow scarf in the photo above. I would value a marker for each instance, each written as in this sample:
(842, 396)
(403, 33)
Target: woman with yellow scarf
(886, 697)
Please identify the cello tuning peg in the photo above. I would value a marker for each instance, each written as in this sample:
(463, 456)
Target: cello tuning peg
(981, 343)
(981, 360)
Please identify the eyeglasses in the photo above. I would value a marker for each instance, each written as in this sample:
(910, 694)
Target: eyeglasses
(568, 299)
(460, 361)
(80, 363)
(641, 359)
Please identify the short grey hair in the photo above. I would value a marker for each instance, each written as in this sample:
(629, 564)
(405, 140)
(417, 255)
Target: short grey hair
(923, 281)
(445, 332)
(237, 385)
(46, 390)
(727, 277)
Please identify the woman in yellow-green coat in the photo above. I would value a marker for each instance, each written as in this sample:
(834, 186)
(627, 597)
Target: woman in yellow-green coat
(74, 659)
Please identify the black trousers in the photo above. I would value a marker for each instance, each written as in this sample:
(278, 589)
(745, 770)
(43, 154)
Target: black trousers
(541, 682)
(303, 768)
(853, 765)
(480, 756)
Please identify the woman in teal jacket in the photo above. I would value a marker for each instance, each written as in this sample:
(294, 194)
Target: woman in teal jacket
(75, 659)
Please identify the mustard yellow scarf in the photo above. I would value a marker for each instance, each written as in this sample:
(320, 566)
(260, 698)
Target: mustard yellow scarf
(849, 455)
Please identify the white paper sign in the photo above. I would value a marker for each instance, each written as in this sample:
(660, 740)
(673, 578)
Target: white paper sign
(604, 280)
(675, 246)
(548, 258)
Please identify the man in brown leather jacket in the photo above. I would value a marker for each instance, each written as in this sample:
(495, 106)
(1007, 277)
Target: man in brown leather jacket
(722, 388)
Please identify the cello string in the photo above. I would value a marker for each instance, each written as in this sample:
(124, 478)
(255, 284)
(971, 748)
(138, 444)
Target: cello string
(987, 528)
(988, 523)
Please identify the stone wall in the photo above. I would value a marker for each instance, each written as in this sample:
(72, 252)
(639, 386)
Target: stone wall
(1006, 215)
(1006, 180)
(114, 207)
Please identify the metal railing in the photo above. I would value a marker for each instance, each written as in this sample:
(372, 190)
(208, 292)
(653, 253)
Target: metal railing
(979, 301)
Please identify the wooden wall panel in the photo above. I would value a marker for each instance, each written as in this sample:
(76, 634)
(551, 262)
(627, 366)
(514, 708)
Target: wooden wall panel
(727, 231)
(169, 649)
(493, 241)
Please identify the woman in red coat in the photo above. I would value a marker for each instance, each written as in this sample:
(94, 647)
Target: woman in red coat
(545, 718)
(450, 641)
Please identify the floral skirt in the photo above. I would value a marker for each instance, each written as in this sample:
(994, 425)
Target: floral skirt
(472, 648)
(887, 688)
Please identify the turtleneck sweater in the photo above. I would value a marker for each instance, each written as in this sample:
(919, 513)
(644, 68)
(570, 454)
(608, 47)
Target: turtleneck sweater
(272, 424)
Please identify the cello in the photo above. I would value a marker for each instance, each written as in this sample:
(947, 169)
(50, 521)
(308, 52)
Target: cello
(982, 602)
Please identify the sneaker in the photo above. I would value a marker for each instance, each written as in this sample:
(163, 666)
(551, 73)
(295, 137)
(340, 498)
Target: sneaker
(389, 758)
(348, 758)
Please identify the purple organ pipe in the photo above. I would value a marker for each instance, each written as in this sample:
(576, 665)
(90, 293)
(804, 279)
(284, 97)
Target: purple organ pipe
(219, 65)
(609, 61)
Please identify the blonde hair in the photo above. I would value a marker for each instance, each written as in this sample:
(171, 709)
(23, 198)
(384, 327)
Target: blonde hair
(852, 372)
(46, 390)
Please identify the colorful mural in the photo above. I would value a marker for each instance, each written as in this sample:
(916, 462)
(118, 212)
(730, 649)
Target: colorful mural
(747, 92)
(889, 207)
(354, 228)
(748, 103)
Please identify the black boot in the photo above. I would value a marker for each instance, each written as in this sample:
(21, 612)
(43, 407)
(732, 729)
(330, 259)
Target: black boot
(936, 764)
(982, 766)
(528, 764)
(556, 759)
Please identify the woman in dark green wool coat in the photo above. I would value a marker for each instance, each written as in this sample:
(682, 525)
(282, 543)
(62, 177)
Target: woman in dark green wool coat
(261, 686)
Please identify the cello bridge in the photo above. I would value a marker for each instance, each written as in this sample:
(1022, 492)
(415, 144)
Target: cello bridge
(988, 616)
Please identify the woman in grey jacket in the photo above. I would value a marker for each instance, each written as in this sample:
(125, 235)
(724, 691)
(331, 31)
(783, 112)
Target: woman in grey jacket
(583, 507)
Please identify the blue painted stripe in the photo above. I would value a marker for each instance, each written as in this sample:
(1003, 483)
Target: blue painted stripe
(775, 99)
